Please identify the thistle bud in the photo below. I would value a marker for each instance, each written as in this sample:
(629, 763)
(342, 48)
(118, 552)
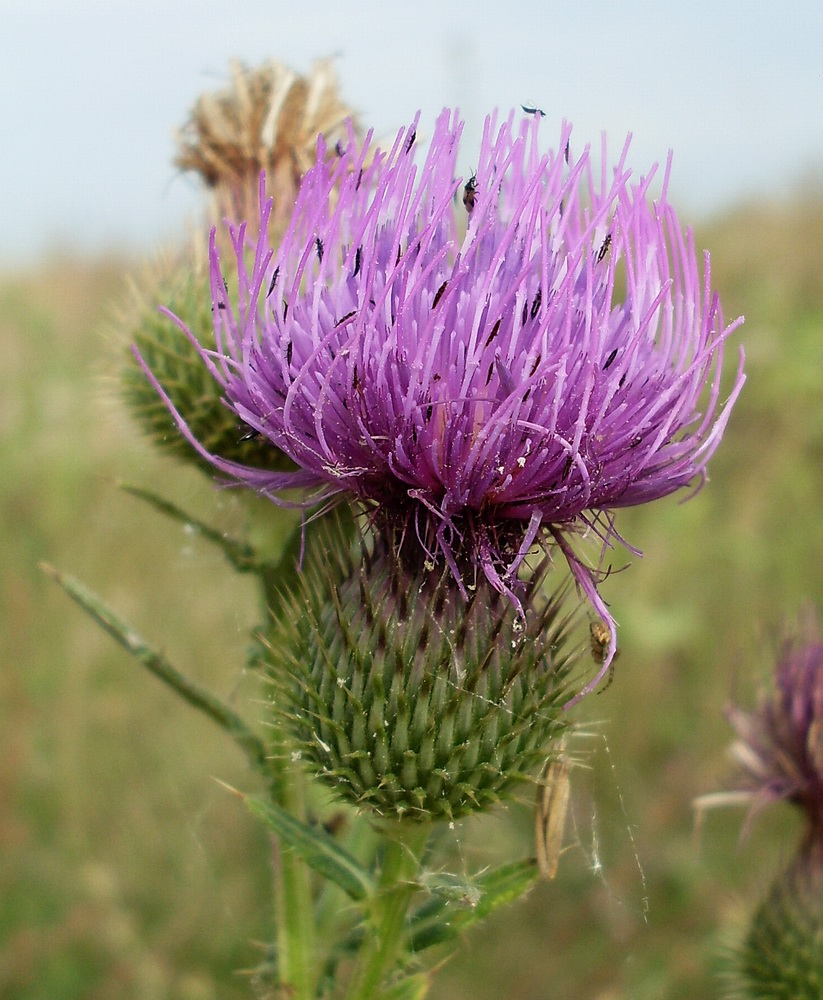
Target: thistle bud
(265, 118)
(779, 751)
(408, 699)
(783, 952)
(177, 366)
(269, 119)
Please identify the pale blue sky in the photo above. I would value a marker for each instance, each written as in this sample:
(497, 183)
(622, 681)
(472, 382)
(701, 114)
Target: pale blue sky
(92, 91)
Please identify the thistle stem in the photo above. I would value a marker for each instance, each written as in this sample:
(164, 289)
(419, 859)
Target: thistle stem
(404, 843)
(293, 900)
(293, 903)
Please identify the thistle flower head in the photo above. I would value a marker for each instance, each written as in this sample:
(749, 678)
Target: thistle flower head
(779, 748)
(486, 359)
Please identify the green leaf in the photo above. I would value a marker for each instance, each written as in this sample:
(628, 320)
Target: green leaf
(446, 916)
(320, 851)
(198, 697)
(412, 988)
(240, 555)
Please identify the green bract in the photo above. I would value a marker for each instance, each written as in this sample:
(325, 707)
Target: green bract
(782, 956)
(405, 698)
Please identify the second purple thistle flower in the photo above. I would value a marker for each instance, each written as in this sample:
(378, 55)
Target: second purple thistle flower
(487, 361)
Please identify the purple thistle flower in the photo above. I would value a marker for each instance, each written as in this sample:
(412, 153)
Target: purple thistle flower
(779, 749)
(487, 362)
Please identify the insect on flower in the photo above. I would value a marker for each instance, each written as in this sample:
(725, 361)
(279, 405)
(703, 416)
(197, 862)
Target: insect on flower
(493, 391)
(470, 193)
(550, 814)
(600, 637)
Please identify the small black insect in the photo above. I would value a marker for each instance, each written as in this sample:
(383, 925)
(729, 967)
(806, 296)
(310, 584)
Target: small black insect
(320, 248)
(273, 281)
(410, 140)
(604, 249)
(222, 305)
(250, 435)
(609, 360)
(346, 318)
(358, 260)
(438, 295)
(533, 110)
(470, 193)
(357, 386)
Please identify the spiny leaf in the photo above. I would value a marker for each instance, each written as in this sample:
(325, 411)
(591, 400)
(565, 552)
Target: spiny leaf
(157, 664)
(320, 851)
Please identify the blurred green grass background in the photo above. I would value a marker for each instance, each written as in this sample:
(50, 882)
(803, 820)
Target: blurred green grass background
(127, 873)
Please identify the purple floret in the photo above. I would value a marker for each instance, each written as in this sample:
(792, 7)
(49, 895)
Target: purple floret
(491, 360)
